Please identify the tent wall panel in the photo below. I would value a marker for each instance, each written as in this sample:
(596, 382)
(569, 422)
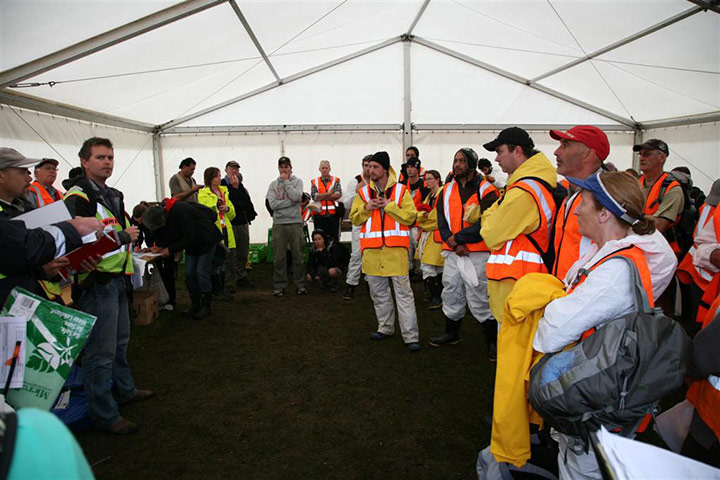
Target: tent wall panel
(258, 154)
(696, 147)
(40, 135)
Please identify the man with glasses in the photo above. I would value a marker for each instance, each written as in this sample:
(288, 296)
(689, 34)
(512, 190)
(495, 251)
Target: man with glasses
(663, 194)
(41, 191)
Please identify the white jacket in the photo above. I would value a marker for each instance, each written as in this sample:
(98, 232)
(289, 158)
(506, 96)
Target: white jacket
(607, 293)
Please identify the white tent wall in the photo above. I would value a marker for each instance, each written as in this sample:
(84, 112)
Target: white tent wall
(257, 154)
(694, 146)
(40, 135)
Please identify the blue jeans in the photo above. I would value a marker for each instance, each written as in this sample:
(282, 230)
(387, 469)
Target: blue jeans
(105, 353)
(198, 271)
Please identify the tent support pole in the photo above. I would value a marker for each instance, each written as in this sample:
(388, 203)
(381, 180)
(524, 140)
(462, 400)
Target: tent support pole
(407, 98)
(637, 140)
(158, 167)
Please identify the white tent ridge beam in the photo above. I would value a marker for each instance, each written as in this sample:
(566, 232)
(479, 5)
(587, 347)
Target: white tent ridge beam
(254, 38)
(485, 127)
(524, 81)
(418, 17)
(384, 127)
(105, 40)
(709, 117)
(643, 33)
(285, 80)
(29, 102)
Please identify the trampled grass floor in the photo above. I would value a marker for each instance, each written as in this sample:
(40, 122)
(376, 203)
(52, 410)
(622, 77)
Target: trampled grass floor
(292, 387)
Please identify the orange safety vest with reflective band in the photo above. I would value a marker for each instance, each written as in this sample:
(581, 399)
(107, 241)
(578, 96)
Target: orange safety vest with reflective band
(705, 394)
(42, 196)
(687, 271)
(454, 211)
(328, 206)
(381, 230)
(519, 256)
(652, 202)
(569, 245)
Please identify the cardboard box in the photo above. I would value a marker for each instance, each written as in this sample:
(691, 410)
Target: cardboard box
(146, 306)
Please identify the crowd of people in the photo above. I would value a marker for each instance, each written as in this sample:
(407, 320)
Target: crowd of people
(471, 237)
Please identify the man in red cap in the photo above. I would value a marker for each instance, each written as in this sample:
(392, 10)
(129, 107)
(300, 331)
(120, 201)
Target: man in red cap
(580, 154)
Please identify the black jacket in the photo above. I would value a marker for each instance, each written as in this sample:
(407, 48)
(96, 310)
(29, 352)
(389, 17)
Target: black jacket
(329, 257)
(240, 198)
(23, 251)
(190, 227)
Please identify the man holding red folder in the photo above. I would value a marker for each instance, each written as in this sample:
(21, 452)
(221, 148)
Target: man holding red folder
(103, 292)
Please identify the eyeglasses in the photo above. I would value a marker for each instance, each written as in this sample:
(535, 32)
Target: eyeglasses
(645, 153)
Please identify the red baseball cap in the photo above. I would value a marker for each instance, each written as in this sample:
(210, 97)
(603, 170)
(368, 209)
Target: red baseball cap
(591, 137)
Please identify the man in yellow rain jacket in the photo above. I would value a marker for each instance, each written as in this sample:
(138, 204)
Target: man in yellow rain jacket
(385, 211)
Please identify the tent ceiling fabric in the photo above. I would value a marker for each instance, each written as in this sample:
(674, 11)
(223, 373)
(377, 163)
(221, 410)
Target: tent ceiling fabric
(206, 59)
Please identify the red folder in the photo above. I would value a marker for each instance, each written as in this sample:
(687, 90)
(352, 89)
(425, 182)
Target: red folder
(107, 242)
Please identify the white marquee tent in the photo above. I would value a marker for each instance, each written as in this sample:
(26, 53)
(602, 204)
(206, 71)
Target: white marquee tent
(218, 80)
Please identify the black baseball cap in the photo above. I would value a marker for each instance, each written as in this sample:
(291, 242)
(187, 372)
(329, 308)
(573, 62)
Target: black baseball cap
(232, 163)
(46, 161)
(284, 161)
(413, 162)
(511, 136)
(653, 144)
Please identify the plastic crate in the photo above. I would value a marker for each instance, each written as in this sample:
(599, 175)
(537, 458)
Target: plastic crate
(258, 253)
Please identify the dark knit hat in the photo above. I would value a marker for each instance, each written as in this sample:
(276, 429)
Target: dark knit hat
(382, 158)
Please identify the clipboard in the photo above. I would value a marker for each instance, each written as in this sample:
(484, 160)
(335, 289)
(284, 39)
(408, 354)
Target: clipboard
(107, 242)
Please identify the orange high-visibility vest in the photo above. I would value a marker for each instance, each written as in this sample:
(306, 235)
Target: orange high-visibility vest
(42, 196)
(381, 230)
(327, 206)
(569, 245)
(652, 202)
(518, 257)
(705, 394)
(687, 271)
(454, 211)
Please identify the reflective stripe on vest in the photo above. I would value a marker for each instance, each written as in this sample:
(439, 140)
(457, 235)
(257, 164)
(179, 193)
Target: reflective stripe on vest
(687, 271)
(569, 245)
(328, 206)
(519, 256)
(705, 394)
(381, 230)
(454, 212)
(42, 196)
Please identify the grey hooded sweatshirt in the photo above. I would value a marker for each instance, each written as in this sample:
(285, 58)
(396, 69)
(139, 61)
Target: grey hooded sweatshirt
(284, 197)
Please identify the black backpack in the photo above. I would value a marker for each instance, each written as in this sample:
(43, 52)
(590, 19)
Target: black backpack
(615, 376)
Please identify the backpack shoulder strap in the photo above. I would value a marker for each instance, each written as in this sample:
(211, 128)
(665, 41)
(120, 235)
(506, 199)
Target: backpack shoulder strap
(642, 303)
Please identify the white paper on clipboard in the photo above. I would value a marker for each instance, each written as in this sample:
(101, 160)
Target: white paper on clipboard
(12, 330)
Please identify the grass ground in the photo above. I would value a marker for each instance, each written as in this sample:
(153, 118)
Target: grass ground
(293, 387)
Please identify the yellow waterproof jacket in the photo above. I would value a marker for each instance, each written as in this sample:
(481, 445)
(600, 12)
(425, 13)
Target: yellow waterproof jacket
(517, 214)
(428, 221)
(512, 413)
(209, 199)
(385, 261)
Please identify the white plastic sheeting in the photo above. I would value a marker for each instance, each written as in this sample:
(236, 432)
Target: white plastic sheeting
(39, 135)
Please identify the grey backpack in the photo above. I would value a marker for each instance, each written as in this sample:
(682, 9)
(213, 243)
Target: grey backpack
(615, 376)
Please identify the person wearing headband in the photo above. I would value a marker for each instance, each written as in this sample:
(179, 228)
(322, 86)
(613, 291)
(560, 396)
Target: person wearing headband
(600, 285)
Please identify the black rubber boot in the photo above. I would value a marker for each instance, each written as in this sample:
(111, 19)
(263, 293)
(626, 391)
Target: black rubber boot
(204, 310)
(427, 289)
(491, 330)
(436, 293)
(349, 292)
(451, 335)
(194, 305)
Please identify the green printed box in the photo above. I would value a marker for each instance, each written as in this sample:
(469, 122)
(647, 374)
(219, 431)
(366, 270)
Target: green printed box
(55, 336)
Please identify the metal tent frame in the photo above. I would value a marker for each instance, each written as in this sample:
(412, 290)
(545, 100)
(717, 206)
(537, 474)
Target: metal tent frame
(13, 76)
